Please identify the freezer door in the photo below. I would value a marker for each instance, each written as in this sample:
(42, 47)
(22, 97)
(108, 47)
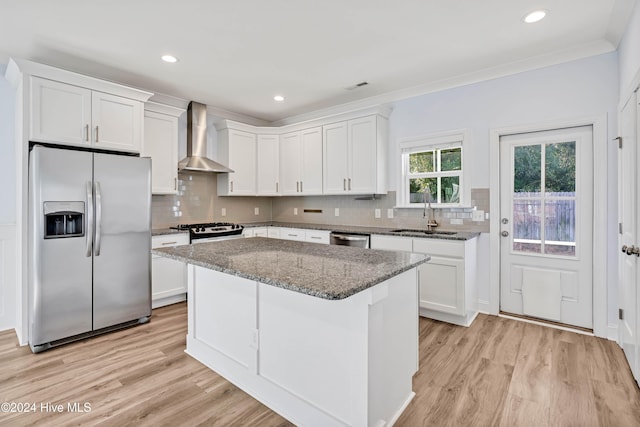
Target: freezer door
(122, 248)
(60, 267)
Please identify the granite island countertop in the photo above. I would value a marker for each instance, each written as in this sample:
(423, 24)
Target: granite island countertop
(323, 271)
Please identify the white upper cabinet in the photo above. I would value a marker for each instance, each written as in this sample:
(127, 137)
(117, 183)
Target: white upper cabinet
(268, 183)
(355, 156)
(161, 144)
(237, 149)
(62, 113)
(301, 162)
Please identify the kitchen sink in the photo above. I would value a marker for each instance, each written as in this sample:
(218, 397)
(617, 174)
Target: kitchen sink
(442, 233)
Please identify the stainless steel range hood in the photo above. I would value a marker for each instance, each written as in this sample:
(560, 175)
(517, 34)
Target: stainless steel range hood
(196, 159)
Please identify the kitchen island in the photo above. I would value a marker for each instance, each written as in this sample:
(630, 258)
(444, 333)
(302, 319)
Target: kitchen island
(323, 335)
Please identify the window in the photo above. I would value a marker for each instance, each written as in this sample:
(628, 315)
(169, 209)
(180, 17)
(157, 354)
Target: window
(432, 170)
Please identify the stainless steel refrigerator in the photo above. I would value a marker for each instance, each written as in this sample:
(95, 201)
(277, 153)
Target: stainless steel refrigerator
(89, 244)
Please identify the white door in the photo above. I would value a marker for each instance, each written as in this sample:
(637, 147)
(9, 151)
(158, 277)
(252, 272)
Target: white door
(546, 210)
(363, 155)
(311, 165)
(268, 165)
(60, 113)
(242, 159)
(290, 159)
(117, 122)
(627, 208)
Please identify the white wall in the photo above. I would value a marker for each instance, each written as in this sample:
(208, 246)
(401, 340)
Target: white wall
(573, 90)
(7, 152)
(7, 206)
(629, 52)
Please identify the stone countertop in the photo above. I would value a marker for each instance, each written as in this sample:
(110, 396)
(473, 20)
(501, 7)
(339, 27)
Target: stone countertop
(323, 271)
(165, 231)
(354, 229)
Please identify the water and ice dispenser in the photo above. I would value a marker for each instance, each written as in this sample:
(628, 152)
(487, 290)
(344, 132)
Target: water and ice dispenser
(63, 219)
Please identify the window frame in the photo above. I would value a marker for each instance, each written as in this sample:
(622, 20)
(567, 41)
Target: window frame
(432, 142)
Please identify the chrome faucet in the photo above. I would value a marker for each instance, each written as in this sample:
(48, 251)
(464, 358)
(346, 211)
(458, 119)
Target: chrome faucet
(431, 222)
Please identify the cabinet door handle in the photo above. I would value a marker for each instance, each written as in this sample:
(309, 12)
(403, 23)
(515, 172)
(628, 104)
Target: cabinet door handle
(169, 243)
(349, 184)
(297, 186)
(175, 184)
(277, 187)
(301, 190)
(344, 184)
(231, 185)
(86, 133)
(97, 133)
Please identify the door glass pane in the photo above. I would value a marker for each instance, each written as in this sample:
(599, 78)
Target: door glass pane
(560, 227)
(449, 192)
(526, 225)
(421, 162)
(451, 160)
(418, 186)
(527, 170)
(560, 168)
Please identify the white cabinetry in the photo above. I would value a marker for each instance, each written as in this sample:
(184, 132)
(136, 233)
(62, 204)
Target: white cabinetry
(447, 280)
(300, 235)
(255, 232)
(317, 236)
(168, 276)
(268, 161)
(355, 156)
(62, 113)
(237, 149)
(161, 144)
(292, 234)
(301, 162)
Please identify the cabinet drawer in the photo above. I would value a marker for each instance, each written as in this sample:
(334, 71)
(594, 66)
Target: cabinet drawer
(317, 236)
(166, 240)
(292, 234)
(391, 243)
(440, 247)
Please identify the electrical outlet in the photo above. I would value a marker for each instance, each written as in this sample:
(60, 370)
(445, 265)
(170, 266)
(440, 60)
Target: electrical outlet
(389, 213)
(477, 216)
(223, 211)
(337, 212)
(256, 211)
(377, 213)
(295, 211)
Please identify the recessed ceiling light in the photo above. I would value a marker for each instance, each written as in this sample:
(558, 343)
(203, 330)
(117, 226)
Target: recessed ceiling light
(534, 16)
(278, 98)
(169, 58)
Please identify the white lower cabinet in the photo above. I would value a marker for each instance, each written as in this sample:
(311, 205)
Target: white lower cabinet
(292, 234)
(168, 276)
(447, 281)
(255, 232)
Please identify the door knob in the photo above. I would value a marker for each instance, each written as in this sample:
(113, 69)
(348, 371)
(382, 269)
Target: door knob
(505, 220)
(624, 249)
(504, 233)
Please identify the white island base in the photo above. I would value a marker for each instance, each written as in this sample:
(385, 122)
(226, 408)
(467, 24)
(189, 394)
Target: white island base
(316, 362)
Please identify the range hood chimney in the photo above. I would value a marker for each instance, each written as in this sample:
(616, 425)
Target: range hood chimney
(196, 159)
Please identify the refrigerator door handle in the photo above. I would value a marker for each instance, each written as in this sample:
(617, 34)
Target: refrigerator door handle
(89, 218)
(98, 219)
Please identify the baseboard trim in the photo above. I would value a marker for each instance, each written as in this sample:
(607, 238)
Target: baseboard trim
(549, 325)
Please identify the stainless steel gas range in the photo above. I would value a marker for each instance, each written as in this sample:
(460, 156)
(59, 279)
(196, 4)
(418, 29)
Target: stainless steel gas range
(212, 231)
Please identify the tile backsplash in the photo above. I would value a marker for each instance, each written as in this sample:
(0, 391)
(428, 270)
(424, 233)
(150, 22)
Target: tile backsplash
(197, 201)
(351, 211)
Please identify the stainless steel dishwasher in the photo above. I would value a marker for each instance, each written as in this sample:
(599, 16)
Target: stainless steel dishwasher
(346, 239)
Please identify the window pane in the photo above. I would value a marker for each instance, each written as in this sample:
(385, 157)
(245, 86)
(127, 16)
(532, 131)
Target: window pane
(526, 226)
(418, 186)
(451, 160)
(450, 189)
(422, 162)
(560, 167)
(527, 169)
(560, 227)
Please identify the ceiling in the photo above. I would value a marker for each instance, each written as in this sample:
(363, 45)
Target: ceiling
(235, 55)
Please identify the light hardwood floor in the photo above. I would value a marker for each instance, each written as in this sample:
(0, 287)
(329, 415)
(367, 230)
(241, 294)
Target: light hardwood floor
(497, 372)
